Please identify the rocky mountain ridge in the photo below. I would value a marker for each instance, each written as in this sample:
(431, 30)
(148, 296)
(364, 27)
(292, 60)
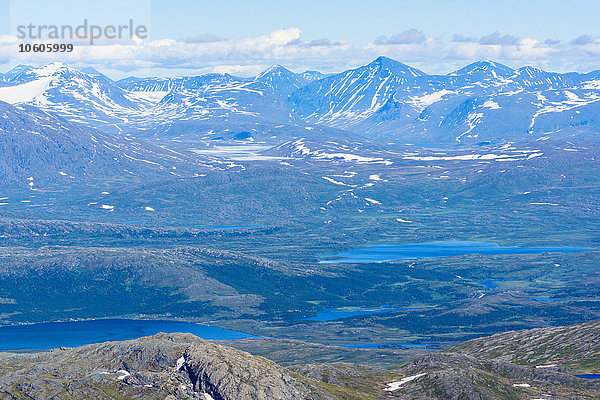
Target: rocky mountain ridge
(182, 366)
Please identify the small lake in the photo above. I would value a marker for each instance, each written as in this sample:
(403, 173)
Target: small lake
(449, 248)
(541, 298)
(51, 335)
(491, 283)
(392, 345)
(589, 376)
(331, 314)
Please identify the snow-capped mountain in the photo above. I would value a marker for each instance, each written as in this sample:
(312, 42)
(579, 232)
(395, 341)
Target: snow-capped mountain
(282, 80)
(484, 101)
(218, 102)
(90, 99)
(227, 98)
(345, 99)
(312, 75)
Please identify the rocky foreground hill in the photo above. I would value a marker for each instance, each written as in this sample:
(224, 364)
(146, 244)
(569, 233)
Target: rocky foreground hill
(532, 364)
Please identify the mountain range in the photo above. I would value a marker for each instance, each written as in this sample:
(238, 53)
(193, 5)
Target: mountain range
(227, 201)
(385, 99)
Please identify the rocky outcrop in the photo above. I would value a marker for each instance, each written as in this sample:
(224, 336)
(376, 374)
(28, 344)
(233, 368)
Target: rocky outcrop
(538, 363)
(163, 366)
(230, 374)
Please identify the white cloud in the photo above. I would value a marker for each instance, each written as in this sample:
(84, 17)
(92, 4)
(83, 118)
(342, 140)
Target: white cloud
(243, 70)
(280, 37)
(407, 37)
(246, 57)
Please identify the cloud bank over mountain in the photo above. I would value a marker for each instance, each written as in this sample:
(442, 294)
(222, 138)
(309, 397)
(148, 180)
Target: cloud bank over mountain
(208, 52)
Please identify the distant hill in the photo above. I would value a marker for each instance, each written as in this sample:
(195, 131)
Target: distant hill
(39, 147)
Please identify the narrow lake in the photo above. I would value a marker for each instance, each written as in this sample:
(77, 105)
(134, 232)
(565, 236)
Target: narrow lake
(392, 345)
(51, 335)
(332, 314)
(589, 376)
(449, 248)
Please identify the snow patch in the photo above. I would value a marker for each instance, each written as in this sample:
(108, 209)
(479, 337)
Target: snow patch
(547, 366)
(426, 100)
(393, 386)
(372, 201)
(328, 179)
(490, 156)
(25, 92)
(491, 104)
(122, 374)
(179, 363)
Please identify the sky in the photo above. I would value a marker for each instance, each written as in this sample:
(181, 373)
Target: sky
(188, 37)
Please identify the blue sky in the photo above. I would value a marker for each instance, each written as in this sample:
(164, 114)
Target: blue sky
(361, 21)
(243, 37)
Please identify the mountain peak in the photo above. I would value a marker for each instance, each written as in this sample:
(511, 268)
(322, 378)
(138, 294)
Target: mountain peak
(16, 71)
(53, 69)
(281, 79)
(394, 66)
(485, 67)
(276, 70)
(22, 72)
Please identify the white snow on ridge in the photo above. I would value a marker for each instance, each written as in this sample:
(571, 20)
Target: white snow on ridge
(393, 386)
(490, 156)
(592, 85)
(424, 101)
(25, 92)
(529, 157)
(372, 201)
(179, 363)
(328, 179)
(547, 366)
(122, 374)
(492, 105)
(153, 97)
(302, 150)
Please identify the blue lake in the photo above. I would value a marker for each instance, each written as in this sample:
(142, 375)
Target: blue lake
(331, 314)
(542, 298)
(72, 334)
(449, 248)
(589, 376)
(382, 345)
(225, 227)
(491, 283)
